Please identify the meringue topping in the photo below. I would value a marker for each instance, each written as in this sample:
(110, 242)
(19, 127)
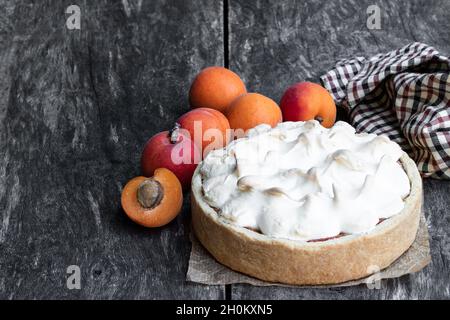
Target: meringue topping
(302, 181)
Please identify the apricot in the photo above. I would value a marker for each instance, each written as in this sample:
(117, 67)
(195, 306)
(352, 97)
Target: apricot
(252, 109)
(215, 88)
(155, 201)
(306, 101)
(173, 150)
(208, 128)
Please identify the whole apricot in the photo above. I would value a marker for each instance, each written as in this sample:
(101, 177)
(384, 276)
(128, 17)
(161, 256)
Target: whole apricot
(173, 150)
(215, 88)
(153, 201)
(252, 109)
(306, 101)
(208, 128)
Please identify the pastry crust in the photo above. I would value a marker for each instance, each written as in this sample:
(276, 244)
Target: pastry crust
(308, 263)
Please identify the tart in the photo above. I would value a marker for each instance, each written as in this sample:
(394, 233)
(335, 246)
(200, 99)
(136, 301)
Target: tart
(301, 204)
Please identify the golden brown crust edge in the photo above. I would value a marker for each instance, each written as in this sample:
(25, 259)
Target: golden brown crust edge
(298, 263)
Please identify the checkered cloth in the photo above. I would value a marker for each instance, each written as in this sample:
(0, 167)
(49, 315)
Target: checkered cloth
(404, 94)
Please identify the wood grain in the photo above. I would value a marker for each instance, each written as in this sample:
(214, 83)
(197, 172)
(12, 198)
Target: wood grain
(275, 44)
(76, 107)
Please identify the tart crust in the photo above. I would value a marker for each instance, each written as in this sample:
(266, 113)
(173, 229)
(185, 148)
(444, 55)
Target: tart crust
(308, 263)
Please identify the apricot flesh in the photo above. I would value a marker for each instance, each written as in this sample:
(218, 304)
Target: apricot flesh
(155, 201)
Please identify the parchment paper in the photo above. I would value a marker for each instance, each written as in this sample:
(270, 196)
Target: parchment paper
(203, 268)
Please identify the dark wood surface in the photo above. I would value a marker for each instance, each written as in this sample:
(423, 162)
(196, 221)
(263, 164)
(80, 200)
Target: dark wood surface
(76, 107)
(292, 41)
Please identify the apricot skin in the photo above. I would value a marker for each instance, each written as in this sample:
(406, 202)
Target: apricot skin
(215, 88)
(209, 119)
(157, 153)
(252, 109)
(306, 101)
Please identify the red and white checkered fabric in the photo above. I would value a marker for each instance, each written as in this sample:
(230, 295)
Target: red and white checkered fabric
(404, 94)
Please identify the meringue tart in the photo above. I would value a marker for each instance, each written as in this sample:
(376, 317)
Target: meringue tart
(305, 205)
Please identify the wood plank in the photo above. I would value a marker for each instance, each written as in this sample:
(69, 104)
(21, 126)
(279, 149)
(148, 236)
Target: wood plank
(76, 107)
(275, 44)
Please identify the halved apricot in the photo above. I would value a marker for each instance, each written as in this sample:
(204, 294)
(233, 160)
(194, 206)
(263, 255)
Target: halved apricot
(155, 201)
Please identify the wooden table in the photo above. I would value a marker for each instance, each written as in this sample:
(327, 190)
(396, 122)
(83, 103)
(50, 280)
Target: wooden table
(76, 107)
